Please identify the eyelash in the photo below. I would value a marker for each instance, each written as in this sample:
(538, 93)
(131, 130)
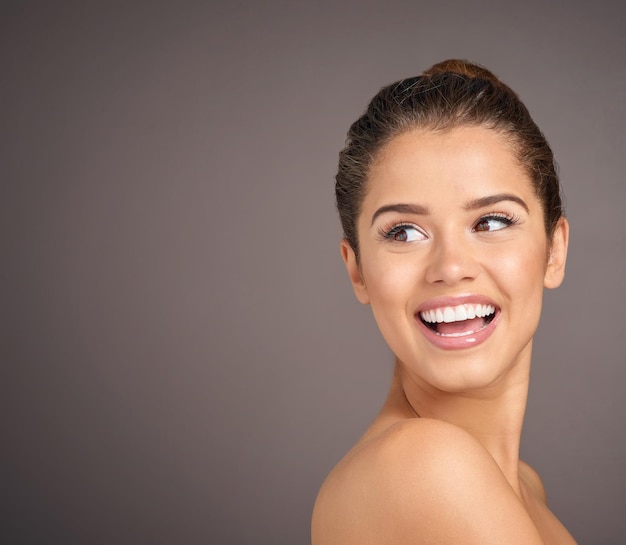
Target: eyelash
(387, 233)
(500, 216)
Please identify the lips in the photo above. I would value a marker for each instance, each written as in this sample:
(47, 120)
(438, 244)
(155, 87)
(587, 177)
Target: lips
(453, 323)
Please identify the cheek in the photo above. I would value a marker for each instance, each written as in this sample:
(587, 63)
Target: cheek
(521, 271)
(391, 286)
(389, 281)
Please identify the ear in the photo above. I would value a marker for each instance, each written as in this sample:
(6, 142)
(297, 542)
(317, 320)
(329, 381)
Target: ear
(555, 270)
(354, 272)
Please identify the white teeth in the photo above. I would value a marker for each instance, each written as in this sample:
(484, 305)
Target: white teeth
(456, 314)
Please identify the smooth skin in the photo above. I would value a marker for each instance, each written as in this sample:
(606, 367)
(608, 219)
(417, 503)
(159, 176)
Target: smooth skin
(440, 463)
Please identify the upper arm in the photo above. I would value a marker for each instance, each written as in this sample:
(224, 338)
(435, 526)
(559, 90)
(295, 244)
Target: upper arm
(423, 482)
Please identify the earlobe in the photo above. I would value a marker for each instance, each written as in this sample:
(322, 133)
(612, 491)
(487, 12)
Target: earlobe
(354, 272)
(555, 270)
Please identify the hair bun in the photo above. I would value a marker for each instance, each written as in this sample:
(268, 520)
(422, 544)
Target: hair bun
(463, 67)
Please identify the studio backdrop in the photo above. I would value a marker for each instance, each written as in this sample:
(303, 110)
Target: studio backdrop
(182, 357)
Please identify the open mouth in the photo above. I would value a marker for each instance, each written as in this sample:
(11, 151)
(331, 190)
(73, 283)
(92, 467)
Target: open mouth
(459, 320)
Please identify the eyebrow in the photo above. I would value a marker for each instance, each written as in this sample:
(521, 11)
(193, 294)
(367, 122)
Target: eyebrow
(494, 199)
(416, 209)
(421, 210)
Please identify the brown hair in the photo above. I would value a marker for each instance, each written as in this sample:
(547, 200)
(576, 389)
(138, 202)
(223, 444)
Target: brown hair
(450, 94)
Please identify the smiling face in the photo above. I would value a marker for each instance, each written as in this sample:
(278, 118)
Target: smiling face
(453, 256)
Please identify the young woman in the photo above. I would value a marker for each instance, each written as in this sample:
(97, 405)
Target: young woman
(450, 205)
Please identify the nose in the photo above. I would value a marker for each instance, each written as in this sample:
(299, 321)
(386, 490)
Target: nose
(452, 260)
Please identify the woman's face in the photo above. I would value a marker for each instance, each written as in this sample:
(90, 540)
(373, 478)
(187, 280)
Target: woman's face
(454, 255)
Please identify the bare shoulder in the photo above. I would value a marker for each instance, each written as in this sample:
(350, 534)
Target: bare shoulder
(533, 481)
(420, 481)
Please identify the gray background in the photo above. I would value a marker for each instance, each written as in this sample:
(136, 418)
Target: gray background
(183, 360)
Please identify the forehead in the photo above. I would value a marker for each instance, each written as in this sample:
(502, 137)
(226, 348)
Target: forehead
(446, 166)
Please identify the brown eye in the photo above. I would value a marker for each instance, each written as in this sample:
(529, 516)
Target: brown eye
(404, 233)
(482, 225)
(400, 235)
(493, 223)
